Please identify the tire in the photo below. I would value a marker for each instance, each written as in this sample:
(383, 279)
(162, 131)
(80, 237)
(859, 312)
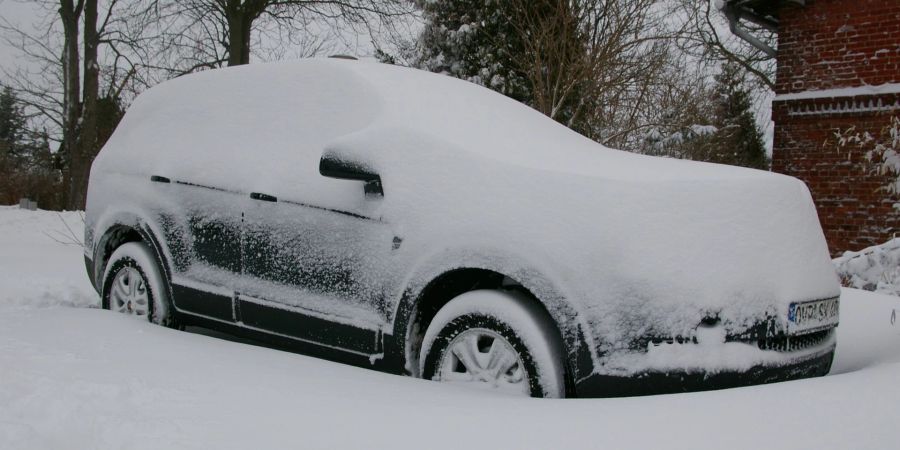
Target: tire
(505, 336)
(133, 284)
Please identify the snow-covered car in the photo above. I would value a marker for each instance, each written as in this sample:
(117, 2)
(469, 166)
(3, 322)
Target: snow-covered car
(422, 225)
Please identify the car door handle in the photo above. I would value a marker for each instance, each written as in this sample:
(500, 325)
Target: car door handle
(263, 197)
(159, 179)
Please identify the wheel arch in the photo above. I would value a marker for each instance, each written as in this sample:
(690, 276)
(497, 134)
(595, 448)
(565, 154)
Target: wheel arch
(121, 229)
(432, 288)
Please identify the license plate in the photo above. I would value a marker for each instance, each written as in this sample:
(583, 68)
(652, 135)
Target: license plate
(806, 316)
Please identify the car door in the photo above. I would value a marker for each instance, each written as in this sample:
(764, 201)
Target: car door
(204, 234)
(316, 272)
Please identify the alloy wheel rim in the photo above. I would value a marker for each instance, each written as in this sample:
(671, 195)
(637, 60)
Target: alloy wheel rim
(484, 359)
(129, 294)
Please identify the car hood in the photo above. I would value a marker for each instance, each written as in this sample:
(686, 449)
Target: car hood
(666, 254)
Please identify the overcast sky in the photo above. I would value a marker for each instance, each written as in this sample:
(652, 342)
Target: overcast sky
(16, 12)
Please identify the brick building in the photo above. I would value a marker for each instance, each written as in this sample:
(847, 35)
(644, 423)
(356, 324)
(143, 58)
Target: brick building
(838, 67)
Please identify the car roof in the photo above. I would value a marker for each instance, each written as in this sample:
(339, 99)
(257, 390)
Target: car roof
(276, 116)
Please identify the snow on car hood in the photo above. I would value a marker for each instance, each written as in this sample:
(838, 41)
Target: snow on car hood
(740, 250)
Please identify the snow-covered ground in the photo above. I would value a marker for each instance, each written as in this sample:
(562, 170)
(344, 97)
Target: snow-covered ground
(41, 262)
(73, 376)
(876, 268)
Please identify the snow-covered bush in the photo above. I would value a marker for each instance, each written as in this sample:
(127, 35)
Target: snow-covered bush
(882, 152)
(876, 268)
(887, 153)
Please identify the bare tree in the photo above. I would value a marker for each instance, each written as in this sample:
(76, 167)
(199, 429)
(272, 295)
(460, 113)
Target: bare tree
(557, 56)
(668, 114)
(214, 33)
(706, 36)
(595, 64)
(82, 56)
(81, 143)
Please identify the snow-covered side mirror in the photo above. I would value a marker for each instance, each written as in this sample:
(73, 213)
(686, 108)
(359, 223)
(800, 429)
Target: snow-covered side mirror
(333, 166)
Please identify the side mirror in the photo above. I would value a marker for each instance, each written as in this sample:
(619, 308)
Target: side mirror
(333, 167)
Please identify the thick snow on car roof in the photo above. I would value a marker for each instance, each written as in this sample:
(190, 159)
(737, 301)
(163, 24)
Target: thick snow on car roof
(241, 128)
(480, 121)
(277, 110)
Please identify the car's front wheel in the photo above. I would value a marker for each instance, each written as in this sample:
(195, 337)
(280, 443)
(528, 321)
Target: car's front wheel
(498, 340)
(133, 285)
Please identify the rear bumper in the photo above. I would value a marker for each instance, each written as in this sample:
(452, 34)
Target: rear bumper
(650, 383)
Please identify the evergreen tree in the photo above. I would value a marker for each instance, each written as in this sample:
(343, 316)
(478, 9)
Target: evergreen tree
(738, 140)
(528, 50)
(27, 166)
(474, 40)
(11, 122)
(12, 125)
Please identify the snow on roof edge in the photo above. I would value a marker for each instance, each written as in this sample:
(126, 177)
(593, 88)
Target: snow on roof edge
(887, 88)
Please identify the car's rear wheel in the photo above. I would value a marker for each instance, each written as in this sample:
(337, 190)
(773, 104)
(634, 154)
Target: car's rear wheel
(496, 340)
(133, 285)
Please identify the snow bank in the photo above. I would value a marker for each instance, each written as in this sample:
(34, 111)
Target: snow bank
(75, 378)
(42, 259)
(876, 268)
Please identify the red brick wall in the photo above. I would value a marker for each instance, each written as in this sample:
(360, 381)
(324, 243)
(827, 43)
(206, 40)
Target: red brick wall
(838, 43)
(831, 44)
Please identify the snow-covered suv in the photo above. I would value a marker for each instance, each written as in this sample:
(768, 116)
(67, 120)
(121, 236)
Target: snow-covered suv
(420, 224)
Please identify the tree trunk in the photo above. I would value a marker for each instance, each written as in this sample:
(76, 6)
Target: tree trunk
(70, 14)
(86, 148)
(240, 22)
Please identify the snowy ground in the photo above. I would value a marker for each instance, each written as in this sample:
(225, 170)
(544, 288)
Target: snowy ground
(73, 376)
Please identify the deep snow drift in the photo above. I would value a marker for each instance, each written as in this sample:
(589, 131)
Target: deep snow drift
(77, 377)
